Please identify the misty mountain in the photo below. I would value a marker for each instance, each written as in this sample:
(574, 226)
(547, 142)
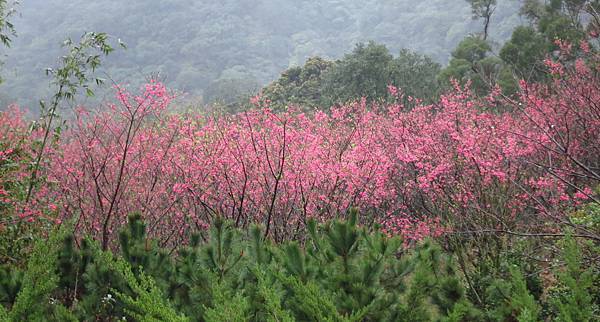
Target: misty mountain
(193, 44)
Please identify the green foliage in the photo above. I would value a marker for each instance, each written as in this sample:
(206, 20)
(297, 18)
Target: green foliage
(81, 59)
(340, 272)
(472, 49)
(95, 283)
(339, 279)
(227, 305)
(435, 279)
(416, 76)
(570, 298)
(308, 301)
(588, 215)
(511, 299)
(555, 20)
(7, 29)
(222, 253)
(362, 73)
(34, 301)
(148, 303)
(524, 52)
(366, 72)
(521, 57)
(270, 297)
(567, 20)
(472, 62)
(16, 240)
(141, 252)
(577, 303)
(481, 8)
(11, 281)
(299, 86)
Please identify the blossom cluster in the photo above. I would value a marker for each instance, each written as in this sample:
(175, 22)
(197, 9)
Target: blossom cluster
(464, 163)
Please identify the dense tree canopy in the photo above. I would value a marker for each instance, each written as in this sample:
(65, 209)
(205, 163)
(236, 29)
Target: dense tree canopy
(366, 72)
(481, 62)
(363, 73)
(567, 20)
(550, 24)
(300, 86)
(524, 53)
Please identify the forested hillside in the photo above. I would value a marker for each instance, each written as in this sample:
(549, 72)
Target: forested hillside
(199, 45)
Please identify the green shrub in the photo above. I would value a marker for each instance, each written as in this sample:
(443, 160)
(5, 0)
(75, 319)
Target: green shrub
(340, 272)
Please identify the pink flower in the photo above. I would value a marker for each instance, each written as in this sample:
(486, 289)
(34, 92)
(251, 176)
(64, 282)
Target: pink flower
(393, 90)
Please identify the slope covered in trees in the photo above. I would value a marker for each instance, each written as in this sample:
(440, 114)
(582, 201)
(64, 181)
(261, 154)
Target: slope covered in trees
(205, 45)
(371, 68)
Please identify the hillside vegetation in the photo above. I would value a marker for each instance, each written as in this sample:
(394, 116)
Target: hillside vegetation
(196, 45)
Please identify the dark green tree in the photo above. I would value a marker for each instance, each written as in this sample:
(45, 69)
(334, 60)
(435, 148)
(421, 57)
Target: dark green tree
(365, 72)
(299, 86)
(416, 76)
(567, 20)
(577, 303)
(36, 299)
(472, 61)
(524, 52)
(523, 56)
(512, 300)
